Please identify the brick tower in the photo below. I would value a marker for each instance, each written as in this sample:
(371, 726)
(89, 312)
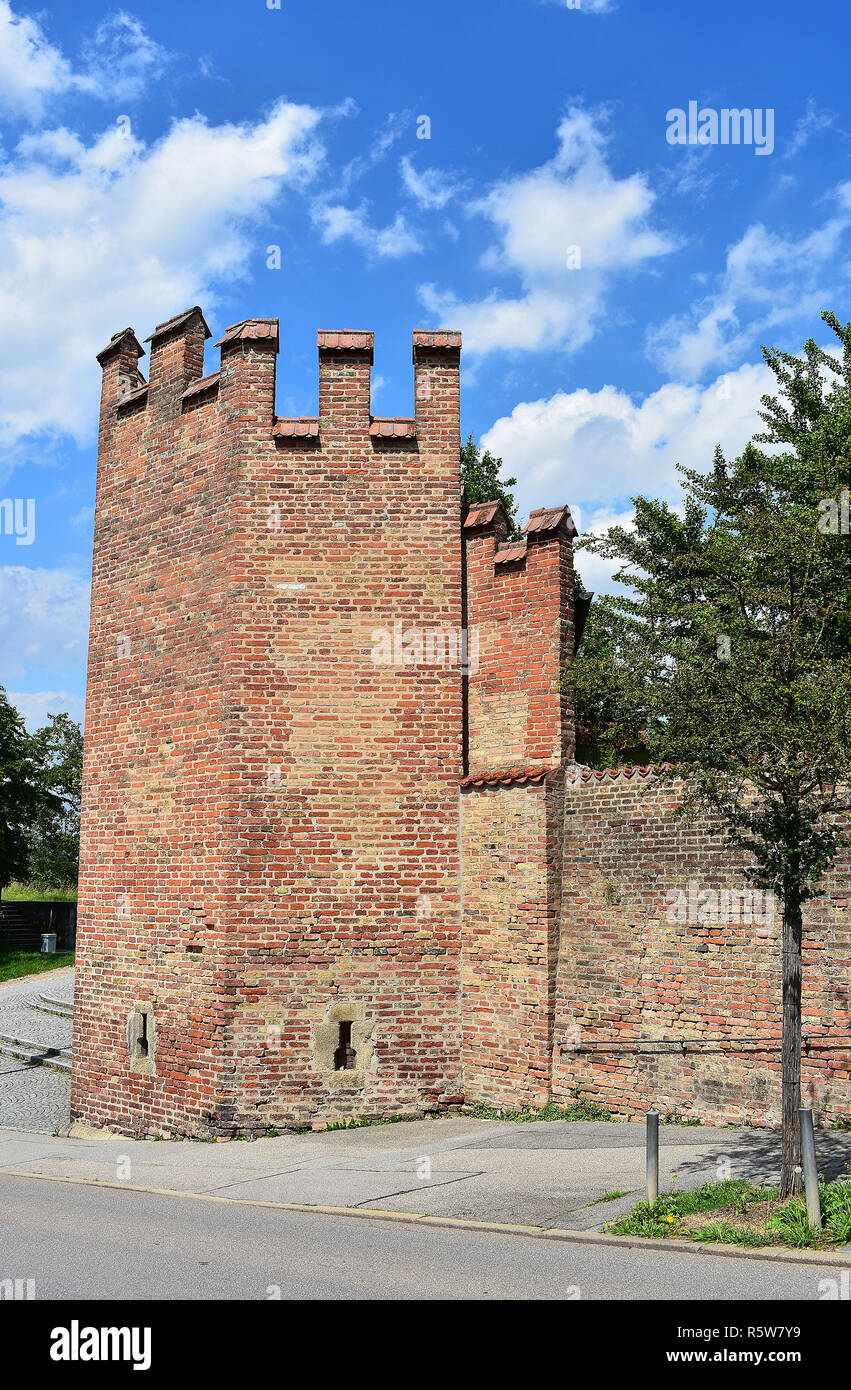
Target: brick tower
(337, 858)
(270, 907)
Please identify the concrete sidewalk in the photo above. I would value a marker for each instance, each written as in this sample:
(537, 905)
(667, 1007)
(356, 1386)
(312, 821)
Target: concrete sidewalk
(537, 1174)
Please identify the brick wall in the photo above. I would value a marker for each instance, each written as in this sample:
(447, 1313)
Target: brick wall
(520, 614)
(511, 838)
(270, 844)
(285, 915)
(635, 983)
(520, 731)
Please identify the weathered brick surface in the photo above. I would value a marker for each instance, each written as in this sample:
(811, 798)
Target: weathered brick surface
(511, 838)
(270, 824)
(685, 1015)
(519, 606)
(521, 610)
(278, 873)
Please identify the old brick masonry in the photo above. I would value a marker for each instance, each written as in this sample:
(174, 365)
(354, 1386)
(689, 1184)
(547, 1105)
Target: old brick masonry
(337, 859)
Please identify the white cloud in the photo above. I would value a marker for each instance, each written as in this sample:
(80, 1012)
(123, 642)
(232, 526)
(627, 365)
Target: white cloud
(768, 280)
(595, 449)
(811, 123)
(96, 236)
(31, 69)
(433, 188)
(587, 6)
(43, 622)
(339, 222)
(117, 63)
(572, 209)
(597, 571)
(34, 707)
(382, 142)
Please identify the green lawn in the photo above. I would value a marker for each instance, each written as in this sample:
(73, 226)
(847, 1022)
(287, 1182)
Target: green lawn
(30, 893)
(16, 963)
(737, 1212)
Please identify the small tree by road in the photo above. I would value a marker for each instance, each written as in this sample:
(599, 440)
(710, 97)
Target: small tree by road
(22, 795)
(53, 834)
(731, 653)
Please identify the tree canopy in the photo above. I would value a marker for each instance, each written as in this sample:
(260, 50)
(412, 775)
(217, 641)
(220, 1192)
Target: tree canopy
(728, 655)
(53, 835)
(480, 476)
(40, 780)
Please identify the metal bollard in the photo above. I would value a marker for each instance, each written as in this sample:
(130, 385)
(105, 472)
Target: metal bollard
(808, 1161)
(652, 1155)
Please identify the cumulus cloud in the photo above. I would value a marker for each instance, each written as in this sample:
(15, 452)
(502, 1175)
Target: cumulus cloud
(768, 280)
(97, 235)
(31, 69)
(43, 623)
(339, 223)
(117, 62)
(595, 449)
(565, 230)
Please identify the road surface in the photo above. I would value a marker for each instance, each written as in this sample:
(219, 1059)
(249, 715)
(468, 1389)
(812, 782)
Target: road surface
(81, 1242)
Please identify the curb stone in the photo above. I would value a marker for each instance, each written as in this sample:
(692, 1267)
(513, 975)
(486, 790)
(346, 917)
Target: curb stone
(829, 1258)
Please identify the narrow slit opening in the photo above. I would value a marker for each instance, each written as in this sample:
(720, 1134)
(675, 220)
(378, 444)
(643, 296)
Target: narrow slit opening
(345, 1057)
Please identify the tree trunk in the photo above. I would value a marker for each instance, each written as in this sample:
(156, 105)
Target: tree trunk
(790, 1053)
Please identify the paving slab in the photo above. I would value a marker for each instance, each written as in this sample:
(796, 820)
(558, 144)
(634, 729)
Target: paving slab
(339, 1187)
(544, 1174)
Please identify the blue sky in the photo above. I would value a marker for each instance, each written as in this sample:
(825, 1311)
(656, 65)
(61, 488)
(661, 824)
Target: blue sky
(613, 288)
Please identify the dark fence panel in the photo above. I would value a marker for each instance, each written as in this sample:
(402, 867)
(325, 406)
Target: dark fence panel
(22, 924)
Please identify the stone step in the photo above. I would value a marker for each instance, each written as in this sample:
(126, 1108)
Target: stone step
(36, 1054)
(47, 1004)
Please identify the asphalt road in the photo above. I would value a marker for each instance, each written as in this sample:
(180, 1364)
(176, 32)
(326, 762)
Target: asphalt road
(78, 1242)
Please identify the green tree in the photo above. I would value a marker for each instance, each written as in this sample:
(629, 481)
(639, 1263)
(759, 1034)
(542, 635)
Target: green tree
(53, 835)
(480, 477)
(22, 795)
(609, 685)
(737, 618)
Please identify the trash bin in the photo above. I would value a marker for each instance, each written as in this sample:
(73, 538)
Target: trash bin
(48, 943)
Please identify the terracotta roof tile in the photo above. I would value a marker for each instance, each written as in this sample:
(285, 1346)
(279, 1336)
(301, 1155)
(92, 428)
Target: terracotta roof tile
(385, 428)
(203, 384)
(305, 427)
(177, 321)
(116, 341)
(549, 519)
(482, 514)
(442, 338)
(507, 776)
(507, 554)
(612, 774)
(250, 328)
(345, 340)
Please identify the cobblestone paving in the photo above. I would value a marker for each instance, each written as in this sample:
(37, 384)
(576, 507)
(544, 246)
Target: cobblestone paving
(35, 1099)
(19, 1020)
